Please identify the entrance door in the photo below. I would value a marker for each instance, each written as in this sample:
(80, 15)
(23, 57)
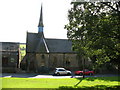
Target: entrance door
(4, 61)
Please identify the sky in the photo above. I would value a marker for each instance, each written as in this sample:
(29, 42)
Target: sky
(17, 17)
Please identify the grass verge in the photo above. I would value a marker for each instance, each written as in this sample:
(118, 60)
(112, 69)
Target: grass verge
(90, 83)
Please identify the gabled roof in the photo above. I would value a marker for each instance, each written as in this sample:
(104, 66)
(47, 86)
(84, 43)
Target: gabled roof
(59, 45)
(37, 43)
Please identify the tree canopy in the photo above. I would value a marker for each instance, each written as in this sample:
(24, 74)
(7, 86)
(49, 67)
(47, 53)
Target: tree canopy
(94, 28)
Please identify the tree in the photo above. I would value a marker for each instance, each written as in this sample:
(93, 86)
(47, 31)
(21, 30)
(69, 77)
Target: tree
(94, 29)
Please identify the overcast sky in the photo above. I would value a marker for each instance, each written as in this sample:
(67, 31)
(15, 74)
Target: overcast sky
(19, 16)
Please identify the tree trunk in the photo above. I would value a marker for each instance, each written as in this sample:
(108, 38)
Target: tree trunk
(83, 67)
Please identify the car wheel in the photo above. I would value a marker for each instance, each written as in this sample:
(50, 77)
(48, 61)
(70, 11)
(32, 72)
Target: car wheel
(58, 74)
(68, 73)
(81, 74)
(91, 74)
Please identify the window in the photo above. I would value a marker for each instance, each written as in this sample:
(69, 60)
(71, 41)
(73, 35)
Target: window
(61, 70)
(68, 62)
(43, 56)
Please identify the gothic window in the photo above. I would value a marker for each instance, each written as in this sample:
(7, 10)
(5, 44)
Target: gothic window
(68, 62)
(54, 61)
(43, 56)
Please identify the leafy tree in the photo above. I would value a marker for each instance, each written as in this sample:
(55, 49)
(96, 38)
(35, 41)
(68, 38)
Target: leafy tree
(94, 29)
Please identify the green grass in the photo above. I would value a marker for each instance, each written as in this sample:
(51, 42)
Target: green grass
(64, 83)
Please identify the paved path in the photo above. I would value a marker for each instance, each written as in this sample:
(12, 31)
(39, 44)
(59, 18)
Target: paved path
(25, 75)
(34, 76)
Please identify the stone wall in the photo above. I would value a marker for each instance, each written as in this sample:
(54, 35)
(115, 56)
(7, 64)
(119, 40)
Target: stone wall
(48, 62)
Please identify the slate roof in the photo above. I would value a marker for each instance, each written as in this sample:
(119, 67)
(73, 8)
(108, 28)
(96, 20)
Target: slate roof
(59, 45)
(37, 43)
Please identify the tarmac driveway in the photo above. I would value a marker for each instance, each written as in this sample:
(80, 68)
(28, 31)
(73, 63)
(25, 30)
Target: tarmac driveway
(32, 75)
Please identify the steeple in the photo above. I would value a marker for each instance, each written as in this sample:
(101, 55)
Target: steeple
(40, 25)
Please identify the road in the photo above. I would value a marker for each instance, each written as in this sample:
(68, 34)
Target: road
(28, 75)
(33, 75)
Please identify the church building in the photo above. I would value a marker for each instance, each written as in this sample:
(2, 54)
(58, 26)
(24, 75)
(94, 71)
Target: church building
(43, 55)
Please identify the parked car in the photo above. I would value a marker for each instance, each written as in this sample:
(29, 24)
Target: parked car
(62, 71)
(86, 72)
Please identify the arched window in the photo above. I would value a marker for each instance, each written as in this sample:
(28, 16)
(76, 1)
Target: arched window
(68, 62)
(43, 56)
(54, 61)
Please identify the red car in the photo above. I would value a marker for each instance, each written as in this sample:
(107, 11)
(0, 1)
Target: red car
(87, 72)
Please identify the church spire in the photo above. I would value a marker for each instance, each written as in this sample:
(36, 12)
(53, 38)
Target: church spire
(40, 25)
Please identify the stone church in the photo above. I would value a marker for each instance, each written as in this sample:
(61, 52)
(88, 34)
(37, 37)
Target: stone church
(45, 54)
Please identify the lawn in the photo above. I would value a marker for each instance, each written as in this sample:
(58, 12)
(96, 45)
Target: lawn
(64, 83)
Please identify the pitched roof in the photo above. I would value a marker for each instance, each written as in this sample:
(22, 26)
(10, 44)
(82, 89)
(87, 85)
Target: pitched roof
(37, 43)
(59, 45)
